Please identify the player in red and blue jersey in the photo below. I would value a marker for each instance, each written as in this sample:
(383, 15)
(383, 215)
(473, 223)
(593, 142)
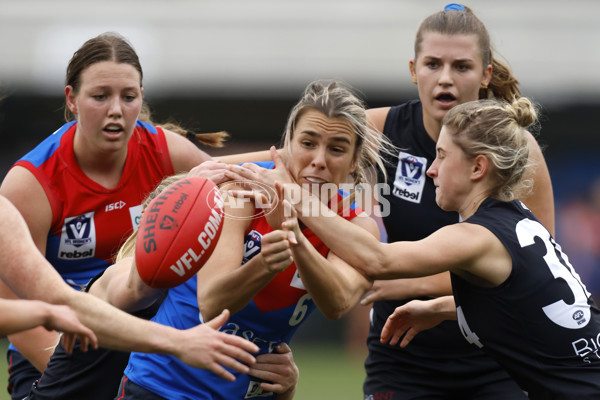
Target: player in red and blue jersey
(80, 190)
(326, 141)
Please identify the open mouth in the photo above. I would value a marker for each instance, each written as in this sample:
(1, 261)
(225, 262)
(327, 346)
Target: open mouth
(445, 98)
(113, 130)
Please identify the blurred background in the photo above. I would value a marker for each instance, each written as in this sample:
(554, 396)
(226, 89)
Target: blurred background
(240, 65)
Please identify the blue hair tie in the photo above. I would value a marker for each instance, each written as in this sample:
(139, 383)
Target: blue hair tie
(454, 7)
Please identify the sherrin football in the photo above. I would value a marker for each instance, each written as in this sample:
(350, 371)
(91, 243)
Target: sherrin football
(178, 232)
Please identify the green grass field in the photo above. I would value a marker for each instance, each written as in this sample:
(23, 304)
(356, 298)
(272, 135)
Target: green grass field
(326, 372)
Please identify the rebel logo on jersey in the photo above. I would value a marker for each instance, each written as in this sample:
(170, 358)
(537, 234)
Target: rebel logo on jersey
(78, 237)
(410, 177)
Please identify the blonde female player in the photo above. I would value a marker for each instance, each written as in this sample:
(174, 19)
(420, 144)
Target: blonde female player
(326, 139)
(517, 296)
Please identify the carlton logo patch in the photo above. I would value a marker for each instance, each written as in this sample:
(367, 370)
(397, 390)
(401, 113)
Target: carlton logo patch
(78, 237)
(410, 177)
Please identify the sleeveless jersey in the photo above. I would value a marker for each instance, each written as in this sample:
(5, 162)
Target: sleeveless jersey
(413, 215)
(271, 317)
(90, 222)
(541, 323)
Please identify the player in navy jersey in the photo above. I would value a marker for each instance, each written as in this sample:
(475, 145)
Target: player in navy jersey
(453, 64)
(518, 298)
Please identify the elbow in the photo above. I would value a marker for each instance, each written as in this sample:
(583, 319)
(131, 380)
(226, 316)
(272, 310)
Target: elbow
(333, 315)
(209, 306)
(207, 309)
(336, 310)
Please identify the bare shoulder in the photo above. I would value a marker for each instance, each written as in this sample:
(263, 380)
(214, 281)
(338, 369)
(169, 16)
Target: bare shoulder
(23, 190)
(461, 243)
(541, 198)
(477, 253)
(377, 117)
(184, 154)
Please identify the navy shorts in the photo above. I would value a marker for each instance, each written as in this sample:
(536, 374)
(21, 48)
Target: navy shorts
(21, 375)
(130, 391)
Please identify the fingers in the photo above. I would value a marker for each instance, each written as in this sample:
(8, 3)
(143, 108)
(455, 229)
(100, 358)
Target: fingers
(68, 341)
(213, 170)
(277, 158)
(219, 320)
(283, 348)
(260, 199)
(222, 372)
(276, 251)
(278, 368)
(368, 299)
(410, 335)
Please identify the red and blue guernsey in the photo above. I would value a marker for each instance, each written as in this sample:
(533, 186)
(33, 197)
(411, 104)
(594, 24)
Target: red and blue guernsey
(271, 317)
(89, 221)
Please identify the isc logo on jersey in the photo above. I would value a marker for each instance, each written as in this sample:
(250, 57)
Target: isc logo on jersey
(78, 238)
(410, 177)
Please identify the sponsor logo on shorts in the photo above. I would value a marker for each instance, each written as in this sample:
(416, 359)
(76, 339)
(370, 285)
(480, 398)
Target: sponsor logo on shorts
(78, 238)
(410, 177)
(254, 390)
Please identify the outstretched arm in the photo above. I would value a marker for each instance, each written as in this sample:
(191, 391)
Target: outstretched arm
(400, 289)
(19, 315)
(202, 346)
(333, 284)
(121, 286)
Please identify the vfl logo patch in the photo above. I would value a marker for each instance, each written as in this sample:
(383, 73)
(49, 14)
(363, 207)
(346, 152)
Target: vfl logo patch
(251, 245)
(410, 177)
(78, 237)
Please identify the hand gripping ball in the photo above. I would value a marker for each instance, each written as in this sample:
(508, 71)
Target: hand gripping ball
(178, 232)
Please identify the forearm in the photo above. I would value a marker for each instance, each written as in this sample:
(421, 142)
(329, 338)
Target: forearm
(121, 286)
(430, 286)
(234, 290)
(445, 307)
(262, 155)
(359, 248)
(117, 329)
(37, 344)
(333, 288)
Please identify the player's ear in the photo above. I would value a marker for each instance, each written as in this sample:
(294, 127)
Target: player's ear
(479, 167)
(413, 72)
(70, 98)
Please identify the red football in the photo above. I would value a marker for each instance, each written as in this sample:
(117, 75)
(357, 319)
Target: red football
(178, 232)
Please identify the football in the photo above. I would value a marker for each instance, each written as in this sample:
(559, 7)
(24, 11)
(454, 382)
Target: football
(178, 232)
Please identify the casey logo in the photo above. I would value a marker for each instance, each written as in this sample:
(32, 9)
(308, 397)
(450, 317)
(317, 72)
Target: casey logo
(78, 237)
(410, 177)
